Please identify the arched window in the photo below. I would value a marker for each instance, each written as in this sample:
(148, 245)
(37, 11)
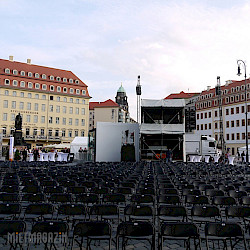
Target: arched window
(44, 76)
(37, 75)
(51, 88)
(7, 71)
(15, 82)
(58, 89)
(15, 72)
(44, 86)
(51, 78)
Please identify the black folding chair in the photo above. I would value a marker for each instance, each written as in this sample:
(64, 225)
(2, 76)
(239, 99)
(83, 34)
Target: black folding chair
(137, 230)
(38, 211)
(216, 231)
(10, 210)
(171, 213)
(91, 230)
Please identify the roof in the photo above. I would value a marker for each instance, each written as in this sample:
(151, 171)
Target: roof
(107, 103)
(121, 90)
(19, 66)
(181, 95)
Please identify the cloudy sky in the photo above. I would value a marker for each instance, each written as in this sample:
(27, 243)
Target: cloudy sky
(175, 45)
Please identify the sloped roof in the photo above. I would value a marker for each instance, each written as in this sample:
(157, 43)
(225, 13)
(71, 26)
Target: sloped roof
(107, 103)
(181, 95)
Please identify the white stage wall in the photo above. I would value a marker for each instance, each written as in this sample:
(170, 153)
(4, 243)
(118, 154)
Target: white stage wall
(109, 137)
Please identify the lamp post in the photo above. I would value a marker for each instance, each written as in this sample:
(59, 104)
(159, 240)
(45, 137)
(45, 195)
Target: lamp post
(239, 62)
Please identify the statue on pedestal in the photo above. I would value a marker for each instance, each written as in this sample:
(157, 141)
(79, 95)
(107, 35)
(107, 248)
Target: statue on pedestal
(18, 122)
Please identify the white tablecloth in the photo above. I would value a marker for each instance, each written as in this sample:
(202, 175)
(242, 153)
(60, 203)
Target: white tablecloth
(30, 157)
(52, 156)
(46, 156)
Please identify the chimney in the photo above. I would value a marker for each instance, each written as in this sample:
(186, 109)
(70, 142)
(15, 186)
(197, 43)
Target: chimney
(11, 58)
(228, 82)
(208, 88)
(29, 61)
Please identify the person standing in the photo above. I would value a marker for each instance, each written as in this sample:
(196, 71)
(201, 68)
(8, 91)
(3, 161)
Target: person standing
(169, 155)
(36, 154)
(25, 154)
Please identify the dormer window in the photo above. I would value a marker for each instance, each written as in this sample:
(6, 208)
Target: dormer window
(22, 84)
(37, 75)
(83, 92)
(64, 79)
(30, 74)
(37, 86)
(15, 72)
(77, 91)
(22, 73)
(7, 71)
(58, 89)
(242, 87)
(70, 80)
(43, 76)
(30, 85)
(71, 91)
(51, 78)
(77, 81)
(44, 86)
(58, 79)
(51, 88)
(7, 82)
(65, 90)
(14, 82)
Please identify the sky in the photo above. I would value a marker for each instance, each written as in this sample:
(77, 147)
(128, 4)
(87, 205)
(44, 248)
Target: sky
(174, 45)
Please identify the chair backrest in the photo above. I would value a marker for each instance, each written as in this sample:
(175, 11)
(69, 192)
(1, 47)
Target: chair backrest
(9, 197)
(60, 198)
(87, 198)
(142, 198)
(10, 208)
(114, 198)
(237, 211)
(11, 226)
(172, 210)
(50, 226)
(245, 200)
(39, 209)
(196, 199)
(169, 199)
(179, 229)
(205, 211)
(37, 197)
(104, 209)
(223, 200)
(72, 209)
(136, 210)
(223, 229)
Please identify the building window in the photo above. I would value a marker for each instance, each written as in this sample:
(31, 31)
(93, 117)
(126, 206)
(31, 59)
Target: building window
(58, 98)
(243, 136)
(57, 120)
(232, 124)
(77, 101)
(28, 118)
(44, 97)
(209, 114)
(29, 95)
(83, 122)
(227, 124)
(77, 111)
(238, 136)
(64, 121)
(30, 85)
(83, 111)
(64, 99)
(201, 115)
(63, 133)
(15, 82)
(15, 72)
(21, 105)
(27, 131)
(71, 110)
(242, 109)
(44, 86)
(12, 130)
(197, 127)
(57, 109)
(5, 116)
(243, 122)
(42, 131)
(83, 101)
(37, 85)
(215, 125)
(70, 121)
(43, 76)
(232, 137)
(51, 108)
(77, 81)
(50, 119)
(232, 111)
(30, 74)
(65, 90)
(205, 114)
(35, 131)
(43, 107)
(50, 132)
(77, 91)
(215, 113)
(209, 126)
(237, 110)
(36, 106)
(70, 80)
(51, 88)
(7, 71)
(21, 94)
(71, 100)
(35, 119)
(237, 123)
(51, 97)
(198, 116)
(64, 79)
(58, 78)
(7, 82)
(227, 137)
(37, 75)
(42, 119)
(57, 132)
(13, 117)
(5, 103)
(205, 126)
(76, 122)
(13, 104)
(22, 84)
(64, 109)
(29, 106)
(248, 122)
(76, 132)
(70, 133)
(58, 89)
(227, 111)
(51, 78)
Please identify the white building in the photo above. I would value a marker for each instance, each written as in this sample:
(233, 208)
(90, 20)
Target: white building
(234, 118)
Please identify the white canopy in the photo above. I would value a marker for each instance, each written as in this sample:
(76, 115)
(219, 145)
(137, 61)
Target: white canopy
(77, 143)
(243, 149)
(162, 128)
(163, 103)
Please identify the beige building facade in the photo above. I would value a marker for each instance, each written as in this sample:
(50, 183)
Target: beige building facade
(53, 103)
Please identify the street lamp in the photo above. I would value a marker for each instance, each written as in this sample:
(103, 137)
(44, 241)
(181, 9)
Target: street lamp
(239, 62)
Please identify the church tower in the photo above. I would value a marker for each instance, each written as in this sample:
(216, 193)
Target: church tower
(121, 98)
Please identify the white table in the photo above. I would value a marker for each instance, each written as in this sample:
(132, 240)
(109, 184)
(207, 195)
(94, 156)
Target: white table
(41, 157)
(216, 158)
(30, 157)
(231, 160)
(198, 158)
(64, 156)
(207, 157)
(59, 156)
(46, 156)
(191, 157)
(52, 156)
